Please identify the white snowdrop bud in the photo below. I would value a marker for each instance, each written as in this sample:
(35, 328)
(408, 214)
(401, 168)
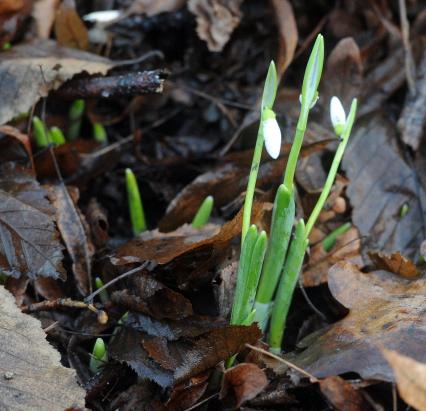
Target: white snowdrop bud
(337, 115)
(103, 16)
(271, 133)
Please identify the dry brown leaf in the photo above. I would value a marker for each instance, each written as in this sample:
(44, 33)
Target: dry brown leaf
(70, 30)
(29, 71)
(395, 263)
(242, 383)
(44, 15)
(11, 6)
(32, 375)
(410, 376)
(216, 20)
(288, 33)
(342, 395)
(153, 7)
(385, 311)
(347, 248)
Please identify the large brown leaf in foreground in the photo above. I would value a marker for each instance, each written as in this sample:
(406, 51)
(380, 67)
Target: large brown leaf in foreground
(28, 72)
(29, 242)
(32, 377)
(385, 311)
(169, 362)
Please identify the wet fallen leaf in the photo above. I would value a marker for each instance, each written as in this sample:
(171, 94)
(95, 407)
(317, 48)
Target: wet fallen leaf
(149, 296)
(395, 263)
(191, 355)
(30, 243)
(216, 20)
(30, 71)
(410, 376)
(288, 33)
(242, 383)
(70, 30)
(48, 288)
(32, 375)
(142, 396)
(380, 183)
(74, 233)
(342, 394)
(385, 311)
(11, 6)
(347, 248)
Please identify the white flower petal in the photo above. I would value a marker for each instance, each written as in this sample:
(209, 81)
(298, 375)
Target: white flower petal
(104, 16)
(337, 114)
(272, 136)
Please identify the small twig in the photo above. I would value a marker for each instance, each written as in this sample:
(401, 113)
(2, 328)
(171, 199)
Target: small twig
(114, 280)
(311, 377)
(51, 327)
(49, 305)
(201, 402)
(123, 85)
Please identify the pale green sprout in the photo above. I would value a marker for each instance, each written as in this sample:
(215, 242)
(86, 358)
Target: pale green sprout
(103, 295)
(137, 214)
(405, 208)
(75, 117)
(56, 136)
(99, 356)
(99, 133)
(39, 132)
(203, 214)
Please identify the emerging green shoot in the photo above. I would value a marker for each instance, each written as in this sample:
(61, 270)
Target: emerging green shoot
(404, 210)
(137, 214)
(56, 136)
(99, 356)
(103, 295)
(330, 240)
(39, 132)
(6, 46)
(99, 133)
(75, 117)
(203, 214)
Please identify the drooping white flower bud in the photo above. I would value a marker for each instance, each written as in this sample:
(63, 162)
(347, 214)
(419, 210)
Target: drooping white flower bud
(337, 115)
(103, 16)
(271, 133)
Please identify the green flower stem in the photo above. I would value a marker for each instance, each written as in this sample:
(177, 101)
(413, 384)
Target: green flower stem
(329, 241)
(99, 133)
(281, 227)
(99, 356)
(39, 132)
(203, 214)
(56, 136)
(242, 275)
(268, 98)
(75, 117)
(137, 215)
(103, 295)
(333, 169)
(286, 288)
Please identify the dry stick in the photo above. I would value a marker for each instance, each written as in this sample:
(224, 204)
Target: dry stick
(49, 305)
(409, 60)
(114, 280)
(123, 85)
(311, 377)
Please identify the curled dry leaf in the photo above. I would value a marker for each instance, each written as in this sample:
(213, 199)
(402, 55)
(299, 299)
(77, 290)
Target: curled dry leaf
(347, 248)
(190, 355)
(30, 71)
(288, 33)
(30, 243)
(342, 395)
(216, 20)
(410, 376)
(32, 375)
(242, 383)
(395, 263)
(385, 311)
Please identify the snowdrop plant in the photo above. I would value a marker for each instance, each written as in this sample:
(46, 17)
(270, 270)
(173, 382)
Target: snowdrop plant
(137, 214)
(203, 214)
(99, 356)
(268, 270)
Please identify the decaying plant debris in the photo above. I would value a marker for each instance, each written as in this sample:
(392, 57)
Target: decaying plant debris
(176, 87)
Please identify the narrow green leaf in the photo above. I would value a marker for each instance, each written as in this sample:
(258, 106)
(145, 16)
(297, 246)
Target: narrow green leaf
(203, 214)
(286, 288)
(330, 240)
(75, 117)
(56, 136)
(137, 215)
(281, 226)
(39, 132)
(103, 295)
(99, 133)
(243, 274)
